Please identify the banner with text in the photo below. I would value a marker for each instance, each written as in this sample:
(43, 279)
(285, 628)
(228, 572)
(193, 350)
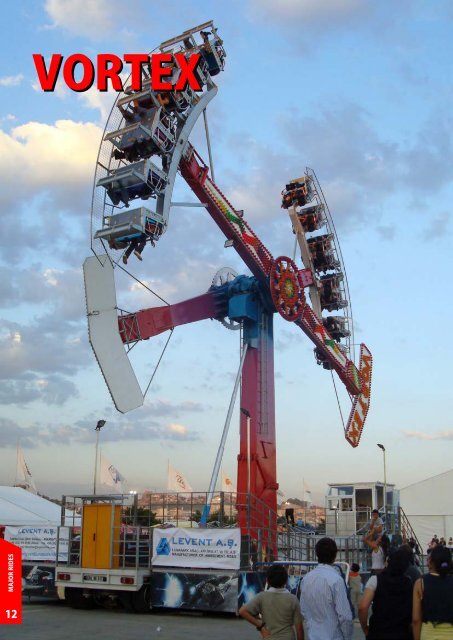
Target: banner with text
(198, 548)
(39, 543)
(10, 583)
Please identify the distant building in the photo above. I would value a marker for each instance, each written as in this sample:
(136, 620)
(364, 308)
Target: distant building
(349, 506)
(303, 512)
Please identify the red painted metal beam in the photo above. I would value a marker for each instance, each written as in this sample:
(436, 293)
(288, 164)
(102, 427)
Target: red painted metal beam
(257, 466)
(259, 261)
(150, 322)
(253, 252)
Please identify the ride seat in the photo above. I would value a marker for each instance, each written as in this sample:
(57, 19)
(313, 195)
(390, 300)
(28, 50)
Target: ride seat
(153, 132)
(121, 228)
(138, 180)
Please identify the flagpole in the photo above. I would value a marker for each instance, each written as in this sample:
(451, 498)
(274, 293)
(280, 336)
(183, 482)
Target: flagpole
(168, 488)
(17, 460)
(305, 504)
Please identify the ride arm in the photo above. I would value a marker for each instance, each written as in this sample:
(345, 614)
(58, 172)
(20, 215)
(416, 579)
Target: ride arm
(147, 323)
(229, 220)
(259, 260)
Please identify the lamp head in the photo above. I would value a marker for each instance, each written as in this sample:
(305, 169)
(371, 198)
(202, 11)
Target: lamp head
(381, 446)
(100, 424)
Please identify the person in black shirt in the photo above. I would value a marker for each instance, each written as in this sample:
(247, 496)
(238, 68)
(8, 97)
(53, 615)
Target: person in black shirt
(432, 611)
(391, 595)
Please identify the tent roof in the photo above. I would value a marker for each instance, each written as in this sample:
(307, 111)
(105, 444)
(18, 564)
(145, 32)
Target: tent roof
(429, 497)
(445, 475)
(20, 507)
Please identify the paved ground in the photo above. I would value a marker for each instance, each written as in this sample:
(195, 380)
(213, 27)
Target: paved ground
(44, 620)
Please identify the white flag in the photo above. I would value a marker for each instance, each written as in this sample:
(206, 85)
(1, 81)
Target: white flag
(176, 481)
(24, 472)
(227, 484)
(307, 494)
(111, 477)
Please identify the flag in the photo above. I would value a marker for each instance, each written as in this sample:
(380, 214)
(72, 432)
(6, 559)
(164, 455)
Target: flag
(227, 484)
(23, 471)
(307, 494)
(111, 477)
(176, 481)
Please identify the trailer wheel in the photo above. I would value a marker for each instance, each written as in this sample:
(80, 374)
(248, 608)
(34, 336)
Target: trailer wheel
(141, 600)
(125, 599)
(77, 600)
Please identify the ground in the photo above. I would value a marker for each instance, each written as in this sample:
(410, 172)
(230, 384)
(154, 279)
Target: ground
(55, 621)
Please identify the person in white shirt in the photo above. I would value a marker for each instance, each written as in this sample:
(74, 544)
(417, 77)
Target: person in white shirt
(324, 600)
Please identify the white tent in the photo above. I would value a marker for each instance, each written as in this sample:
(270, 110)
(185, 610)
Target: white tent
(20, 507)
(31, 522)
(428, 504)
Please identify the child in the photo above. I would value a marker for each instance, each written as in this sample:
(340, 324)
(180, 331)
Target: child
(279, 609)
(355, 585)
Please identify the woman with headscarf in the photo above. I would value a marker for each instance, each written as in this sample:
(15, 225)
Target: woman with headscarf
(391, 595)
(432, 611)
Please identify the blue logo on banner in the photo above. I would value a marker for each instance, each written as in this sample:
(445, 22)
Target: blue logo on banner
(163, 548)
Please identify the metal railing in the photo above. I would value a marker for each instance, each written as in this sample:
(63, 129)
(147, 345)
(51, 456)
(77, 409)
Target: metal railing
(131, 531)
(261, 539)
(294, 546)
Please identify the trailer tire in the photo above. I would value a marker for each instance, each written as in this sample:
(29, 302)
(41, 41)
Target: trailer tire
(125, 599)
(75, 599)
(141, 600)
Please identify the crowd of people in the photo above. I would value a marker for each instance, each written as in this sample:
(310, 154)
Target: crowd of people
(396, 603)
(436, 541)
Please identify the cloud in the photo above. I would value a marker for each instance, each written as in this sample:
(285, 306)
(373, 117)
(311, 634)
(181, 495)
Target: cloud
(40, 354)
(357, 168)
(11, 81)
(122, 429)
(10, 431)
(288, 340)
(100, 100)
(313, 13)
(66, 151)
(438, 227)
(8, 118)
(44, 346)
(53, 390)
(90, 19)
(422, 435)
(427, 163)
(162, 408)
(343, 146)
(59, 158)
(177, 428)
(386, 232)
(38, 284)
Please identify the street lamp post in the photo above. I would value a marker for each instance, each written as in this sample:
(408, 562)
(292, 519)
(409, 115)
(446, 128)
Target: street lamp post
(381, 446)
(98, 428)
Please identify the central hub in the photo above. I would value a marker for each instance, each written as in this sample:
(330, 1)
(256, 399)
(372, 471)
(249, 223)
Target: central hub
(287, 294)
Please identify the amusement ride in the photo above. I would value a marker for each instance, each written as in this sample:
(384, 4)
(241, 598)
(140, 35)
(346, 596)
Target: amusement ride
(145, 146)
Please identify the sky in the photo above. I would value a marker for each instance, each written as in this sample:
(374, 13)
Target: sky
(357, 90)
